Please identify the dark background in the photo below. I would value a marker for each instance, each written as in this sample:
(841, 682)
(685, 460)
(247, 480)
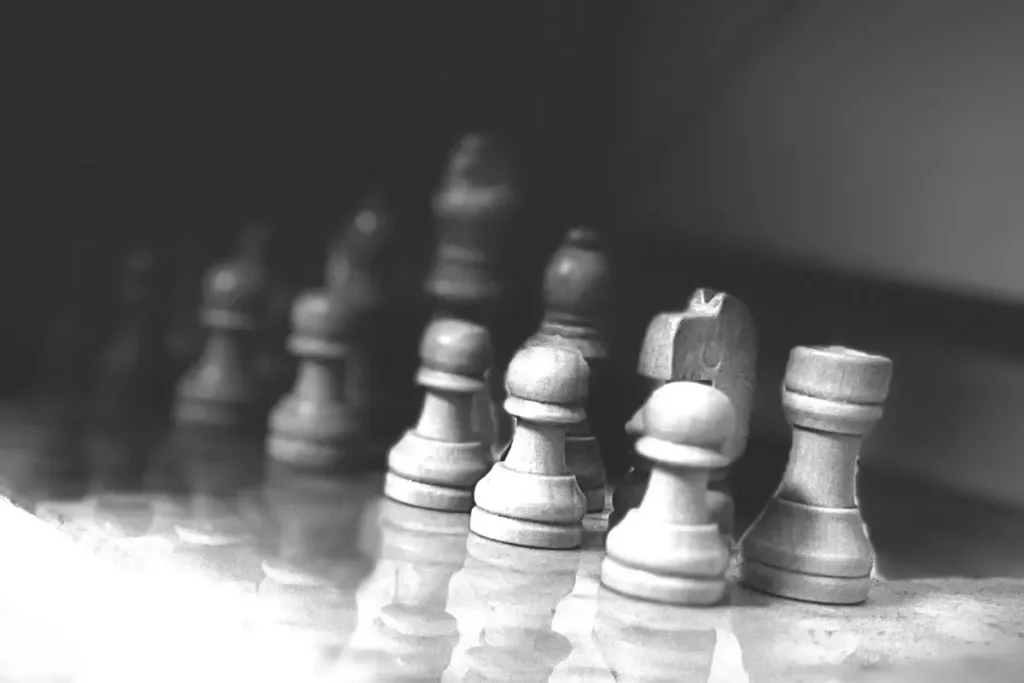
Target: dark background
(132, 123)
(174, 124)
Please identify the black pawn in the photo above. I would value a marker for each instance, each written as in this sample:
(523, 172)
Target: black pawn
(313, 426)
(576, 286)
(223, 387)
(128, 405)
(472, 209)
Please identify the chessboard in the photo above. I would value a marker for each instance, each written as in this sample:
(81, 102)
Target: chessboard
(241, 479)
(303, 579)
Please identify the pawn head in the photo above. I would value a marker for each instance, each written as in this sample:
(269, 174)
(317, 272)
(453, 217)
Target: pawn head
(576, 281)
(234, 295)
(547, 382)
(689, 413)
(458, 347)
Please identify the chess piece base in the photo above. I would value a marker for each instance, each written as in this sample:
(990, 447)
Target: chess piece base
(429, 496)
(812, 540)
(308, 454)
(646, 585)
(455, 465)
(828, 590)
(525, 533)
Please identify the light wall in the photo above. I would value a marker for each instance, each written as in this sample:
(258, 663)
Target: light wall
(876, 137)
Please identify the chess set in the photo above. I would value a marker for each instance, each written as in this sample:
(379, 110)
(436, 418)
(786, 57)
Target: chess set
(310, 524)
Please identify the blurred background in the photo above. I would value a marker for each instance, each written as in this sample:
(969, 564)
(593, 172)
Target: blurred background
(851, 170)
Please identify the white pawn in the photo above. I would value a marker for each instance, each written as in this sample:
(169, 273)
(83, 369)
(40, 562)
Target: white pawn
(669, 549)
(437, 464)
(531, 498)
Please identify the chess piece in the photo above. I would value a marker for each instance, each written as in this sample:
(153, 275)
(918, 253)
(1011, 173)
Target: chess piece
(531, 498)
(436, 464)
(472, 207)
(582, 452)
(473, 210)
(184, 339)
(713, 341)
(810, 543)
(274, 364)
(428, 548)
(668, 549)
(359, 279)
(576, 285)
(58, 467)
(648, 642)
(313, 426)
(521, 588)
(223, 388)
(127, 407)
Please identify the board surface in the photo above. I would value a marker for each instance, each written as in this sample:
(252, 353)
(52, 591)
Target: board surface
(227, 566)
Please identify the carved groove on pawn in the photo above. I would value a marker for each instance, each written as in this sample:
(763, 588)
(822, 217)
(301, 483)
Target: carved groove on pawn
(810, 543)
(436, 464)
(531, 498)
(668, 549)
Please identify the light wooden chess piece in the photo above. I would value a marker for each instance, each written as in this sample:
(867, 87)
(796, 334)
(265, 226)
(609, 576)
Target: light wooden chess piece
(531, 498)
(576, 285)
(436, 464)
(668, 549)
(473, 211)
(810, 543)
(713, 341)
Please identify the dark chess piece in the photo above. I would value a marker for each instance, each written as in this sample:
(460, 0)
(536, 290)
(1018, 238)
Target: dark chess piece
(313, 426)
(473, 209)
(649, 642)
(428, 547)
(714, 341)
(668, 549)
(576, 287)
(531, 498)
(522, 588)
(318, 564)
(360, 279)
(810, 543)
(184, 339)
(223, 387)
(59, 468)
(127, 409)
(437, 463)
(275, 366)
